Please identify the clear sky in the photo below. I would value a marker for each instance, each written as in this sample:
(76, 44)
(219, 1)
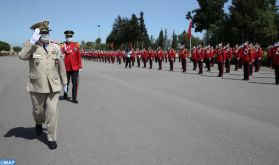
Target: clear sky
(83, 16)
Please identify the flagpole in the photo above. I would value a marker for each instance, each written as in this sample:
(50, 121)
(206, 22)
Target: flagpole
(190, 36)
(190, 46)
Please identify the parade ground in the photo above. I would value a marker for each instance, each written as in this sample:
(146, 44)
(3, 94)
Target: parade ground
(144, 116)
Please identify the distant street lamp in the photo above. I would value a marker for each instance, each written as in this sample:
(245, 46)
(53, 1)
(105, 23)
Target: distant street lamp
(99, 30)
(99, 26)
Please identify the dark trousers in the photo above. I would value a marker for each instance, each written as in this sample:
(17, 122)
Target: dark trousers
(236, 64)
(240, 64)
(171, 64)
(113, 59)
(221, 69)
(194, 64)
(208, 64)
(212, 62)
(128, 62)
(138, 61)
(276, 68)
(119, 60)
(228, 66)
(144, 63)
(246, 70)
(251, 68)
(183, 62)
(74, 76)
(160, 64)
(269, 62)
(150, 63)
(200, 67)
(258, 64)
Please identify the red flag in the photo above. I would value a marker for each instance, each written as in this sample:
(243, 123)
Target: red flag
(189, 30)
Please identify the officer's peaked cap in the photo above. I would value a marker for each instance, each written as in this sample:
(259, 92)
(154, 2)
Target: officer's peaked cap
(69, 32)
(43, 26)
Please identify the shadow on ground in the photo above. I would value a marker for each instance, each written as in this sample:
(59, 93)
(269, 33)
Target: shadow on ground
(26, 133)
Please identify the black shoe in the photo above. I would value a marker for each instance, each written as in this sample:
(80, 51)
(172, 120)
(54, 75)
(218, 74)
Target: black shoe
(52, 145)
(39, 129)
(75, 101)
(65, 96)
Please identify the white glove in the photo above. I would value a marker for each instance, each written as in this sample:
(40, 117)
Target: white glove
(36, 36)
(65, 88)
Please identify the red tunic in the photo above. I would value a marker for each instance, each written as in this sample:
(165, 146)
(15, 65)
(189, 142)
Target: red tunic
(276, 56)
(160, 54)
(171, 54)
(220, 55)
(72, 57)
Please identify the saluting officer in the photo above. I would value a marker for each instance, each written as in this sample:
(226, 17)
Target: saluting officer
(72, 62)
(46, 74)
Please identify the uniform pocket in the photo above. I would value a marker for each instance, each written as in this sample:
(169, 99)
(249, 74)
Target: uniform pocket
(33, 76)
(37, 55)
(55, 76)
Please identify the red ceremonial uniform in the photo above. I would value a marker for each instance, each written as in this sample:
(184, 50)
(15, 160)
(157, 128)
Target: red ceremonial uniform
(160, 55)
(72, 57)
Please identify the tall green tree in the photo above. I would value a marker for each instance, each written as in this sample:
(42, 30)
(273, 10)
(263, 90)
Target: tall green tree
(209, 12)
(144, 39)
(4, 46)
(174, 43)
(184, 40)
(166, 41)
(98, 43)
(253, 20)
(160, 40)
(134, 30)
(17, 48)
(129, 32)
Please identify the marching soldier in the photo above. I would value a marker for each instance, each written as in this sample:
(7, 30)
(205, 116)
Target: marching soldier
(269, 56)
(72, 62)
(246, 58)
(236, 57)
(118, 56)
(276, 63)
(220, 60)
(228, 52)
(138, 54)
(128, 58)
(133, 58)
(183, 54)
(166, 56)
(150, 57)
(208, 54)
(194, 57)
(171, 55)
(200, 58)
(259, 55)
(46, 74)
(160, 56)
(144, 57)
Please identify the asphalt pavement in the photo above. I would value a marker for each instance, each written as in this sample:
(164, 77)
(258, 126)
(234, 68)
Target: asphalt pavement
(142, 116)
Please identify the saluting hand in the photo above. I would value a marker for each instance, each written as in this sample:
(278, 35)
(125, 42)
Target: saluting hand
(36, 36)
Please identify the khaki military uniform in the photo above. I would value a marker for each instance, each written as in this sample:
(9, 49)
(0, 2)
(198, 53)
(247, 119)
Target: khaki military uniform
(46, 73)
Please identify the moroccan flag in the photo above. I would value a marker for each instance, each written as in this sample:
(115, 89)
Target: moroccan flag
(189, 29)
